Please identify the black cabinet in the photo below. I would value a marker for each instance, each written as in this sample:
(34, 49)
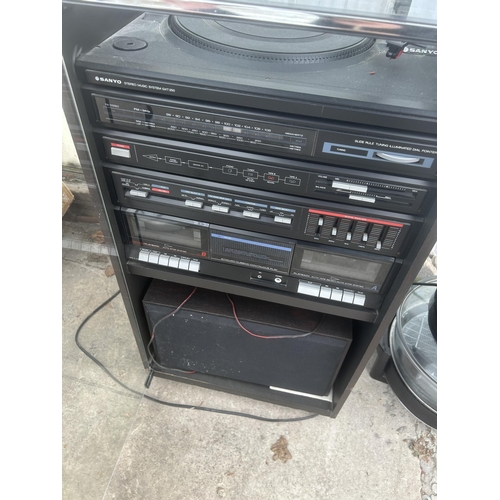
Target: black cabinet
(265, 164)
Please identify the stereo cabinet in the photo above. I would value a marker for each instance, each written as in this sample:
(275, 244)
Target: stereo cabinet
(92, 105)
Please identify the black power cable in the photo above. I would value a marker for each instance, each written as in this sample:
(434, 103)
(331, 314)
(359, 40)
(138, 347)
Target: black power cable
(166, 403)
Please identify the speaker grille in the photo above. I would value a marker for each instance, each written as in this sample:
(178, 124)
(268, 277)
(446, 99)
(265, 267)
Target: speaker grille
(205, 337)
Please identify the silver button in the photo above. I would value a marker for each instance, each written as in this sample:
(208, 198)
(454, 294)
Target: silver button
(325, 292)
(283, 220)
(122, 152)
(359, 299)
(337, 294)
(254, 215)
(184, 264)
(309, 289)
(220, 208)
(144, 255)
(348, 297)
(193, 203)
(163, 260)
(139, 194)
(174, 262)
(194, 266)
(153, 257)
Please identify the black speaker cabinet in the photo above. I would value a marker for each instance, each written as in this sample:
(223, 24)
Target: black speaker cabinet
(204, 336)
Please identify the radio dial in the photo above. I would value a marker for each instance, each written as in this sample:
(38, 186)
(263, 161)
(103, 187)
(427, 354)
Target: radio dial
(404, 159)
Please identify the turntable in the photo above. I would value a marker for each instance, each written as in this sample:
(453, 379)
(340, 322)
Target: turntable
(321, 68)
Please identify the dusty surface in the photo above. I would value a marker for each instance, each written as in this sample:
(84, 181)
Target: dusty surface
(424, 447)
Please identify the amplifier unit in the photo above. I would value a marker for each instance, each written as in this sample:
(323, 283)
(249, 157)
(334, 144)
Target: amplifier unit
(280, 215)
(291, 177)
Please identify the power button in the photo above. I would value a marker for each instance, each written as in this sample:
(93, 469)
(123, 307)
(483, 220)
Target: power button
(121, 151)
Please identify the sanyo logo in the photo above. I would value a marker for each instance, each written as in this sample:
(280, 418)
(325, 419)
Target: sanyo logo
(416, 50)
(107, 80)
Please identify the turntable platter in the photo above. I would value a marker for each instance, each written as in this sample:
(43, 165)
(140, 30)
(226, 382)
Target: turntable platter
(267, 44)
(329, 69)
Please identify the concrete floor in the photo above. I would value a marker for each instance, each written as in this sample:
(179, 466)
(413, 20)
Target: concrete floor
(119, 445)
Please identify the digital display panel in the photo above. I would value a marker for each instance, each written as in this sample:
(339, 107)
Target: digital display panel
(251, 251)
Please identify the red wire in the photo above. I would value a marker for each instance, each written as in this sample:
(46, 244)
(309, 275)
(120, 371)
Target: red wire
(270, 336)
(172, 313)
(235, 314)
(241, 326)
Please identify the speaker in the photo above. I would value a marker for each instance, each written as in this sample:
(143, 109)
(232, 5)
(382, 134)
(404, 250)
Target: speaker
(204, 336)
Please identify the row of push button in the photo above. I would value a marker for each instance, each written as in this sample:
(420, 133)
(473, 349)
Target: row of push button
(325, 292)
(215, 208)
(169, 260)
(246, 213)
